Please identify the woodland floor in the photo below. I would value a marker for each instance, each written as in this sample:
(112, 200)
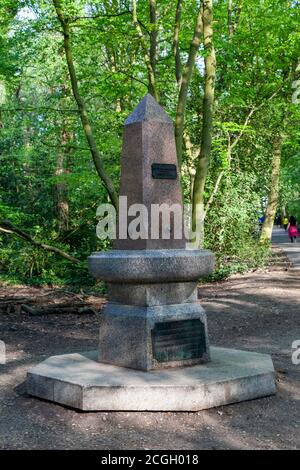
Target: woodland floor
(258, 312)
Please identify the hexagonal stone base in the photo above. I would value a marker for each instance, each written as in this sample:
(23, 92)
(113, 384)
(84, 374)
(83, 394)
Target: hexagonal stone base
(80, 381)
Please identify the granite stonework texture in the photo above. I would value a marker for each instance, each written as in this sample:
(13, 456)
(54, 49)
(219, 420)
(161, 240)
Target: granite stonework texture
(148, 295)
(152, 283)
(149, 139)
(130, 329)
(143, 266)
(80, 381)
(154, 349)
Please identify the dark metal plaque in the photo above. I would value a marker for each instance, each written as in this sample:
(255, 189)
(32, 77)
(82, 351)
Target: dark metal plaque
(178, 340)
(164, 171)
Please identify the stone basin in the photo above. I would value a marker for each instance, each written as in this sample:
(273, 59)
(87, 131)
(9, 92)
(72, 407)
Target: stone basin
(151, 266)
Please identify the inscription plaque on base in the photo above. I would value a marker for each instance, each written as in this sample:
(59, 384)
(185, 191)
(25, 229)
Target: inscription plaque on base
(178, 340)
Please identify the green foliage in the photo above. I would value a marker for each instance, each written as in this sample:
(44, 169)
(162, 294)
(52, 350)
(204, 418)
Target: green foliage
(249, 256)
(234, 216)
(44, 157)
(232, 227)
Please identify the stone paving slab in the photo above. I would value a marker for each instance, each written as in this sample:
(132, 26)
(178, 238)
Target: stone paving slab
(79, 381)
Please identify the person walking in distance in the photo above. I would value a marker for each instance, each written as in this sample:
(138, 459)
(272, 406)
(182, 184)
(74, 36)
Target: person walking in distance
(292, 229)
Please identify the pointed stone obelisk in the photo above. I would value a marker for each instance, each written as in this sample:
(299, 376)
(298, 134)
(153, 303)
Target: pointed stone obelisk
(149, 173)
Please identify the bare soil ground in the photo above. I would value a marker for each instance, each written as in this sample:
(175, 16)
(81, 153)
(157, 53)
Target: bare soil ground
(257, 312)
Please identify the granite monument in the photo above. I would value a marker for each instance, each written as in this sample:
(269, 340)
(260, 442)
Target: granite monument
(154, 350)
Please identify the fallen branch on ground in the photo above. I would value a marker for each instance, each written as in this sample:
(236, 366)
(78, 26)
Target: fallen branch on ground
(57, 309)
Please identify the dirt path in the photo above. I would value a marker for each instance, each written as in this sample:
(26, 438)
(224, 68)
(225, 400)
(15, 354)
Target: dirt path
(258, 312)
(291, 250)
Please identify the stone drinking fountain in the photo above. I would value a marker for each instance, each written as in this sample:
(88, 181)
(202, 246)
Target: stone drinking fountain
(154, 351)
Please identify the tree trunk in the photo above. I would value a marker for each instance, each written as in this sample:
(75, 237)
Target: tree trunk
(207, 125)
(184, 86)
(191, 155)
(230, 22)
(61, 191)
(153, 35)
(89, 134)
(176, 50)
(267, 228)
(148, 60)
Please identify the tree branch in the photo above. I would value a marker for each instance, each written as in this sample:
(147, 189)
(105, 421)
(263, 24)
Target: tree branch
(214, 192)
(110, 15)
(7, 227)
(131, 77)
(64, 146)
(236, 141)
(39, 108)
